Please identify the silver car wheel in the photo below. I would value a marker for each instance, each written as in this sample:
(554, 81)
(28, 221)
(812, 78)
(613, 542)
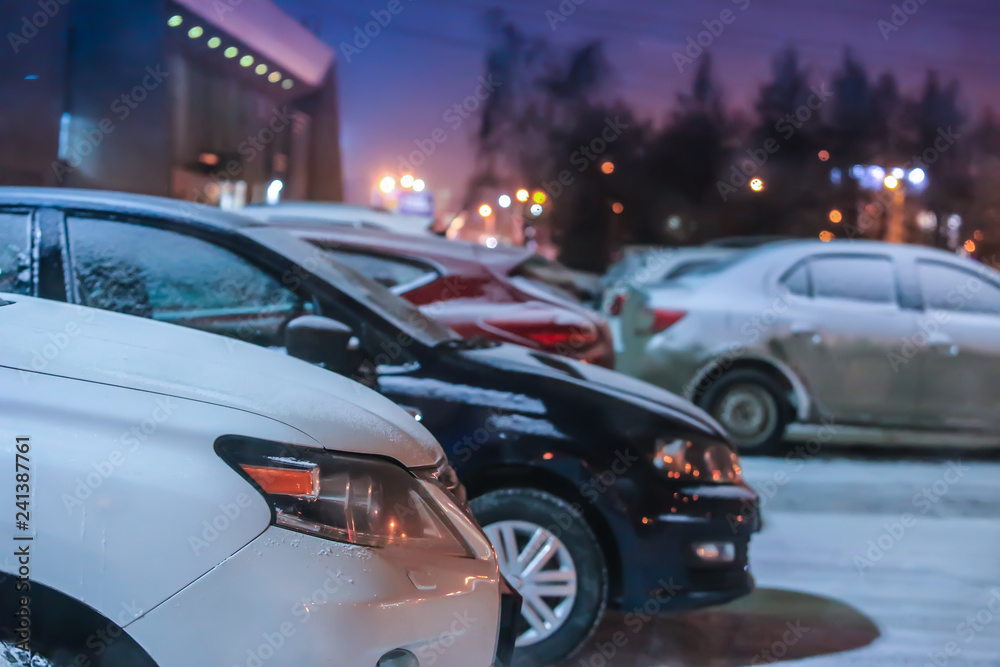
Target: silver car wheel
(748, 412)
(540, 567)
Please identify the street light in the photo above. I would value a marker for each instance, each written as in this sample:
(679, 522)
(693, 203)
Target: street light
(419, 185)
(617, 207)
(536, 210)
(485, 210)
(891, 182)
(836, 216)
(757, 184)
(406, 181)
(608, 167)
(539, 197)
(825, 236)
(387, 184)
(504, 201)
(522, 195)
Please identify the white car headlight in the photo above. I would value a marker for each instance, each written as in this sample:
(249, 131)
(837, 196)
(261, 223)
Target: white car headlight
(684, 459)
(363, 500)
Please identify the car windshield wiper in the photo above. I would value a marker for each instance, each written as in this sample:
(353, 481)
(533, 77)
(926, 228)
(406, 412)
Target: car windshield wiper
(473, 343)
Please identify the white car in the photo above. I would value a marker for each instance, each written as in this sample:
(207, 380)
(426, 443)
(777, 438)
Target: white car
(178, 498)
(336, 213)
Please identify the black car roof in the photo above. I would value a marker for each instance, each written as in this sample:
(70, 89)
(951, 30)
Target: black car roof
(124, 203)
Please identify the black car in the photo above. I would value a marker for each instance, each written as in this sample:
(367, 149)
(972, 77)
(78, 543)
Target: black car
(596, 489)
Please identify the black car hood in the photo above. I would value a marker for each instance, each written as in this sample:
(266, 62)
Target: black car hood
(514, 358)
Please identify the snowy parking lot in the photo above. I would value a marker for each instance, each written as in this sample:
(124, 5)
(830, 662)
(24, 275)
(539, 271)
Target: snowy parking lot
(865, 559)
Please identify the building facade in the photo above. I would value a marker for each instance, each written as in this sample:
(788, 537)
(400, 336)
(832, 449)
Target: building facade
(219, 101)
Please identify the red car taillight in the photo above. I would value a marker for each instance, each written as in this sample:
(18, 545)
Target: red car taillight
(555, 336)
(654, 320)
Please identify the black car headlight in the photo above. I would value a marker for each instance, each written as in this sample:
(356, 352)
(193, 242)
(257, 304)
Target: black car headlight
(363, 500)
(703, 462)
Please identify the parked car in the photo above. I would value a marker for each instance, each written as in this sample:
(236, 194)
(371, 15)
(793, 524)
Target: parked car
(342, 215)
(862, 333)
(507, 294)
(651, 267)
(597, 489)
(186, 499)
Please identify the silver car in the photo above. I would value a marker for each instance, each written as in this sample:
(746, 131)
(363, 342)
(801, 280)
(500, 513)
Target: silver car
(859, 333)
(650, 267)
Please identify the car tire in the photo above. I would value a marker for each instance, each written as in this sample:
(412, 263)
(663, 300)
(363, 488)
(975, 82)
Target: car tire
(531, 514)
(753, 409)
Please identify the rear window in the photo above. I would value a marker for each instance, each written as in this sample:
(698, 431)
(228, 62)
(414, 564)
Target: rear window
(551, 277)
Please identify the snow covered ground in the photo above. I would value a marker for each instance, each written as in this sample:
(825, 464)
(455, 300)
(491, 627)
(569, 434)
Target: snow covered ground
(861, 562)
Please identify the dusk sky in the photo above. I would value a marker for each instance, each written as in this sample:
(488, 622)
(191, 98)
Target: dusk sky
(398, 88)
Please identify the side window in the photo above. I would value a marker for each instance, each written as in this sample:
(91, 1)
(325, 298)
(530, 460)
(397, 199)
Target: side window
(797, 281)
(859, 278)
(167, 276)
(947, 287)
(15, 253)
(390, 273)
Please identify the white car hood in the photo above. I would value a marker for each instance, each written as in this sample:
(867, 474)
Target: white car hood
(126, 351)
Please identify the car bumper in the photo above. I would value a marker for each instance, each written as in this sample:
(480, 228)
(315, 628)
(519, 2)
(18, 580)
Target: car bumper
(664, 569)
(288, 598)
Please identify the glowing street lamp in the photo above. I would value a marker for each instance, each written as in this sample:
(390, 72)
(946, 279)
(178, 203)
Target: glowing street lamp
(406, 181)
(504, 201)
(539, 197)
(536, 210)
(825, 236)
(608, 167)
(891, 182)
(485, 210)
(836, 216)
(387, 184)
(419, 185)
(757, 184)
(521, 195)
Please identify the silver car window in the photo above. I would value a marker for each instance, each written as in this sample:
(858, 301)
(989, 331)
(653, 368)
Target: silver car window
(871, 279)
(951, 288)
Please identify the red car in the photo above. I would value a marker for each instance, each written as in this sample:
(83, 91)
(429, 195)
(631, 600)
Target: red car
(508, 294)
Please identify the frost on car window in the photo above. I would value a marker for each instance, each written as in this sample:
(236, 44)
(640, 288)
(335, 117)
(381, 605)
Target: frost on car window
(167, 276)
(870, 279)
(951, 288)
(15, 253)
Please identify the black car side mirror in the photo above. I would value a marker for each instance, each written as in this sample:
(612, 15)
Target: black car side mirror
(321, 340)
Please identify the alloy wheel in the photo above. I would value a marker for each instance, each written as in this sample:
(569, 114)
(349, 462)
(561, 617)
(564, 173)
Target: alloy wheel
(539, 566)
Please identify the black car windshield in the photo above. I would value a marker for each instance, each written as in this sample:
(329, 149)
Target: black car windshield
(394, 309)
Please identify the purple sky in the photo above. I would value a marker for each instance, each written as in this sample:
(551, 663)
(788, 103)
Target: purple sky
(397, 89)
